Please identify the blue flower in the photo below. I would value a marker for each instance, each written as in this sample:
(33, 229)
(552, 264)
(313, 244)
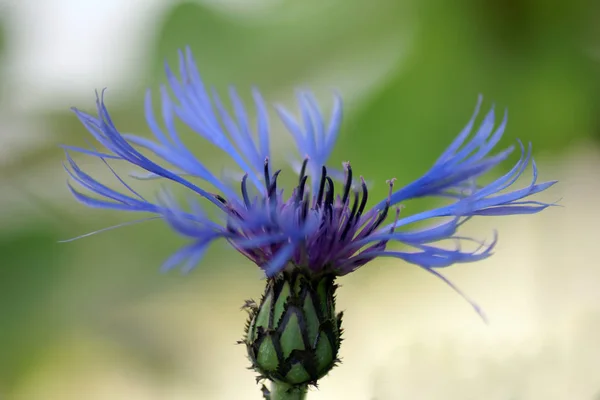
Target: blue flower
(318, 226)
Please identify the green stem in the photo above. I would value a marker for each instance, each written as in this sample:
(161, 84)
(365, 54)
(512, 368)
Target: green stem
(281, 391)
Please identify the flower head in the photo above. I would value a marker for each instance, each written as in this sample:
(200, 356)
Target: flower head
(324, 225)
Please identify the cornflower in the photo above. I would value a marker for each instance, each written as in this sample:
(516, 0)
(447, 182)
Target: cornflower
(305, 238)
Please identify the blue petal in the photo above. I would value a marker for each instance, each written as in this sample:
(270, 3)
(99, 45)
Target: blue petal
(472, 303)
(195, 109)
(261, 240)
(189, 255)
(241, 134)
(462, 136)
(279, 260)
(309, 132)
(96, 203)
(310, 137)
(105, 132)
(295, 129)
(262, 124)
(459, 163)
(90, 152)
(426, 235)
(195, 224)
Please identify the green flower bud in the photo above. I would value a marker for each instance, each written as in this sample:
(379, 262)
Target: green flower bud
(294, 335)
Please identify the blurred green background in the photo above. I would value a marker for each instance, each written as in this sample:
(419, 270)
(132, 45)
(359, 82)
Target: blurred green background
(94, 319)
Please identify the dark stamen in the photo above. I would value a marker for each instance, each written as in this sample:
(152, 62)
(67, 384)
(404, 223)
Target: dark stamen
(220, 198)
(305, 208)
(351, 218)
(303, 170)
(321, 187)
(273, 186)
(330, 192)
(301, 188)
(365, 196)
(267, 174)
(234, 212)
(395, 220)
(245, 192)
(348, 184)
(382, 216)
(230, 228)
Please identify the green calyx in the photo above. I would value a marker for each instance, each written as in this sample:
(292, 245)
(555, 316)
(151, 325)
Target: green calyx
(294, 335)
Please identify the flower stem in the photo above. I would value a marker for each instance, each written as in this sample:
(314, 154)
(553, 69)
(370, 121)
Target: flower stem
(281, 391)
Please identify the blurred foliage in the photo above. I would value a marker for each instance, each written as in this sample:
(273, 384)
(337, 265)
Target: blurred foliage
(523, 60)
(2, 55)
(30, 272)
(278, 47)
(2, 37)
(522, 55)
